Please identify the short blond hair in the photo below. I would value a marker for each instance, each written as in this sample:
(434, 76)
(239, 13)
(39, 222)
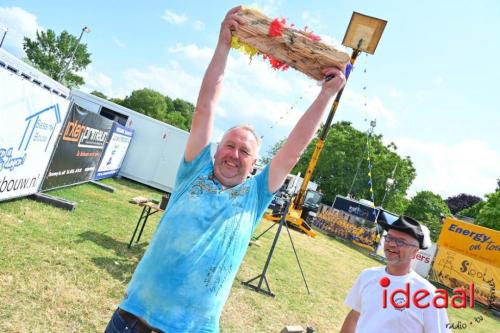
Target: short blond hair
(248, 128)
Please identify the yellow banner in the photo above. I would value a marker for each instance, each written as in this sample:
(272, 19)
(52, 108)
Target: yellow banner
(471, 240)
(455, 270)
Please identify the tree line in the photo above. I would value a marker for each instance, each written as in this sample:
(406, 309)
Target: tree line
(176, 112)
(343, 167)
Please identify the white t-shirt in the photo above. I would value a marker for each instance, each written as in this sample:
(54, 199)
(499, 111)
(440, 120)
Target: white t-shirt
(367, 297)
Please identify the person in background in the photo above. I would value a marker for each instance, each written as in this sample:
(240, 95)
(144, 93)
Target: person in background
(369, 298)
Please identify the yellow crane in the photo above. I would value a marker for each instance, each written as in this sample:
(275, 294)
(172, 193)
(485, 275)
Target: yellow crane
(362, 35)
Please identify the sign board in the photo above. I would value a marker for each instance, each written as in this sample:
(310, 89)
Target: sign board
(355, 208)
(79, 149)
(456, 270)
(422, 262)
(471, 240)
(115, 151)
(31, 118)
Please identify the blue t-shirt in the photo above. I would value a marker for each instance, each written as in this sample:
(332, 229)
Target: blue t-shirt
(186, 274)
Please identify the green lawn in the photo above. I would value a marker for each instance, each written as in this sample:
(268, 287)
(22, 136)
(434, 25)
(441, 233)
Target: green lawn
(66, 271)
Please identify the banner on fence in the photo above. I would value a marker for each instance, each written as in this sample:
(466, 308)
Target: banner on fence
(31, 119)
(115, 151)
(355, 208)
(79, 149)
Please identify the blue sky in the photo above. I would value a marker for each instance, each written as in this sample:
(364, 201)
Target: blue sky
(431, 85)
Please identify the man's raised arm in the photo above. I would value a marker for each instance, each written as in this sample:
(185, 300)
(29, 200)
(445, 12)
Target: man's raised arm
(304, 130)
(203, 117)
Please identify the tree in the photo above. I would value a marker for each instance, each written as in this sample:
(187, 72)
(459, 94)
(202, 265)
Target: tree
(337, 170)
(185, 110)
(176, 112)
(489, 215)
(428, 208)
(176, 119)
(472, 211)
(98, 94)
(51, 53)
(118, 101)
(148, 102)
(462, 201)
(398, 204)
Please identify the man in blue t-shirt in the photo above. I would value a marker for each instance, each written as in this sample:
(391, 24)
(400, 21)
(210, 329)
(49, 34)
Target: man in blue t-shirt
(185, 276)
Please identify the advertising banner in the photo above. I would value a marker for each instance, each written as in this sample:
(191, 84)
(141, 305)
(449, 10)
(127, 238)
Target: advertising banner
(355, 208)
(79, 149)
(471, 240)
(115, 151)
(455, 270)
(423, 261)
(31, 118)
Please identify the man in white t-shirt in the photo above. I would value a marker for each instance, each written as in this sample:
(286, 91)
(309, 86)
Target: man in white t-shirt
(376, 304)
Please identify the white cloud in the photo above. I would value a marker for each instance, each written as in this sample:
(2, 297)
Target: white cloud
(198, 25)
(193, 52)
(374, 108)
(119, 43)
(254, 72)
(312, 20)
(20, 24)
(268, 7)
(97, 81)
(170, 80)
(173, 18)
(469, 166)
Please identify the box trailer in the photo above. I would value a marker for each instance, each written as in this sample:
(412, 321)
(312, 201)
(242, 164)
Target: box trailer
(156, 149)
(18, 67)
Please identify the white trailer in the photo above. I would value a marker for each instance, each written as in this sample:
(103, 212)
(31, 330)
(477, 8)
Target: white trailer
(18, 67)
(156, 149)
(293, 184)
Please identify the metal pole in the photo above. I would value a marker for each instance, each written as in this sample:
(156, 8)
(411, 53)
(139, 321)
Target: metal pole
(65, 69)
(5, 30)
(262, 277)
(387, 187)
(297, 257)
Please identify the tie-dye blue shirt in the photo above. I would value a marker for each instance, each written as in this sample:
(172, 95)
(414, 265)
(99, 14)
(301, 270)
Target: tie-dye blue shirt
(186, 274)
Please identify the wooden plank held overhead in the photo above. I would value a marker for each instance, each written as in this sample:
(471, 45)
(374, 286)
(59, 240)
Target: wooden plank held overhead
(294, 47)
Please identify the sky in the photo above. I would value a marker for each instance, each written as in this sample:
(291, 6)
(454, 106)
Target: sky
(432, 84)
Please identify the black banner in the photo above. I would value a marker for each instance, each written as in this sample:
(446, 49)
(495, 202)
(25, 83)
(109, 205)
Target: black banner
(355, 208)
(79, 150)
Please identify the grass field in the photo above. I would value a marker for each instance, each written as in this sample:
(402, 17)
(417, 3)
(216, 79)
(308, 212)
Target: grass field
(66, 271)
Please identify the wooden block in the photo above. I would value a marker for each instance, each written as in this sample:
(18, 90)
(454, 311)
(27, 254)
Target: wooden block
(138, 200)
(293, 47)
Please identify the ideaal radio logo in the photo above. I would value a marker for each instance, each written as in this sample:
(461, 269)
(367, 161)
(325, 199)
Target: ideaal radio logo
(402, 298)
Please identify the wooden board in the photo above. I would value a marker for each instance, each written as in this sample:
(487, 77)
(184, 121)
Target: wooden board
(293, 47)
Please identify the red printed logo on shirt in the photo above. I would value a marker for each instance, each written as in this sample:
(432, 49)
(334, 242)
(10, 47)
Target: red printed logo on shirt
(401, 298)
